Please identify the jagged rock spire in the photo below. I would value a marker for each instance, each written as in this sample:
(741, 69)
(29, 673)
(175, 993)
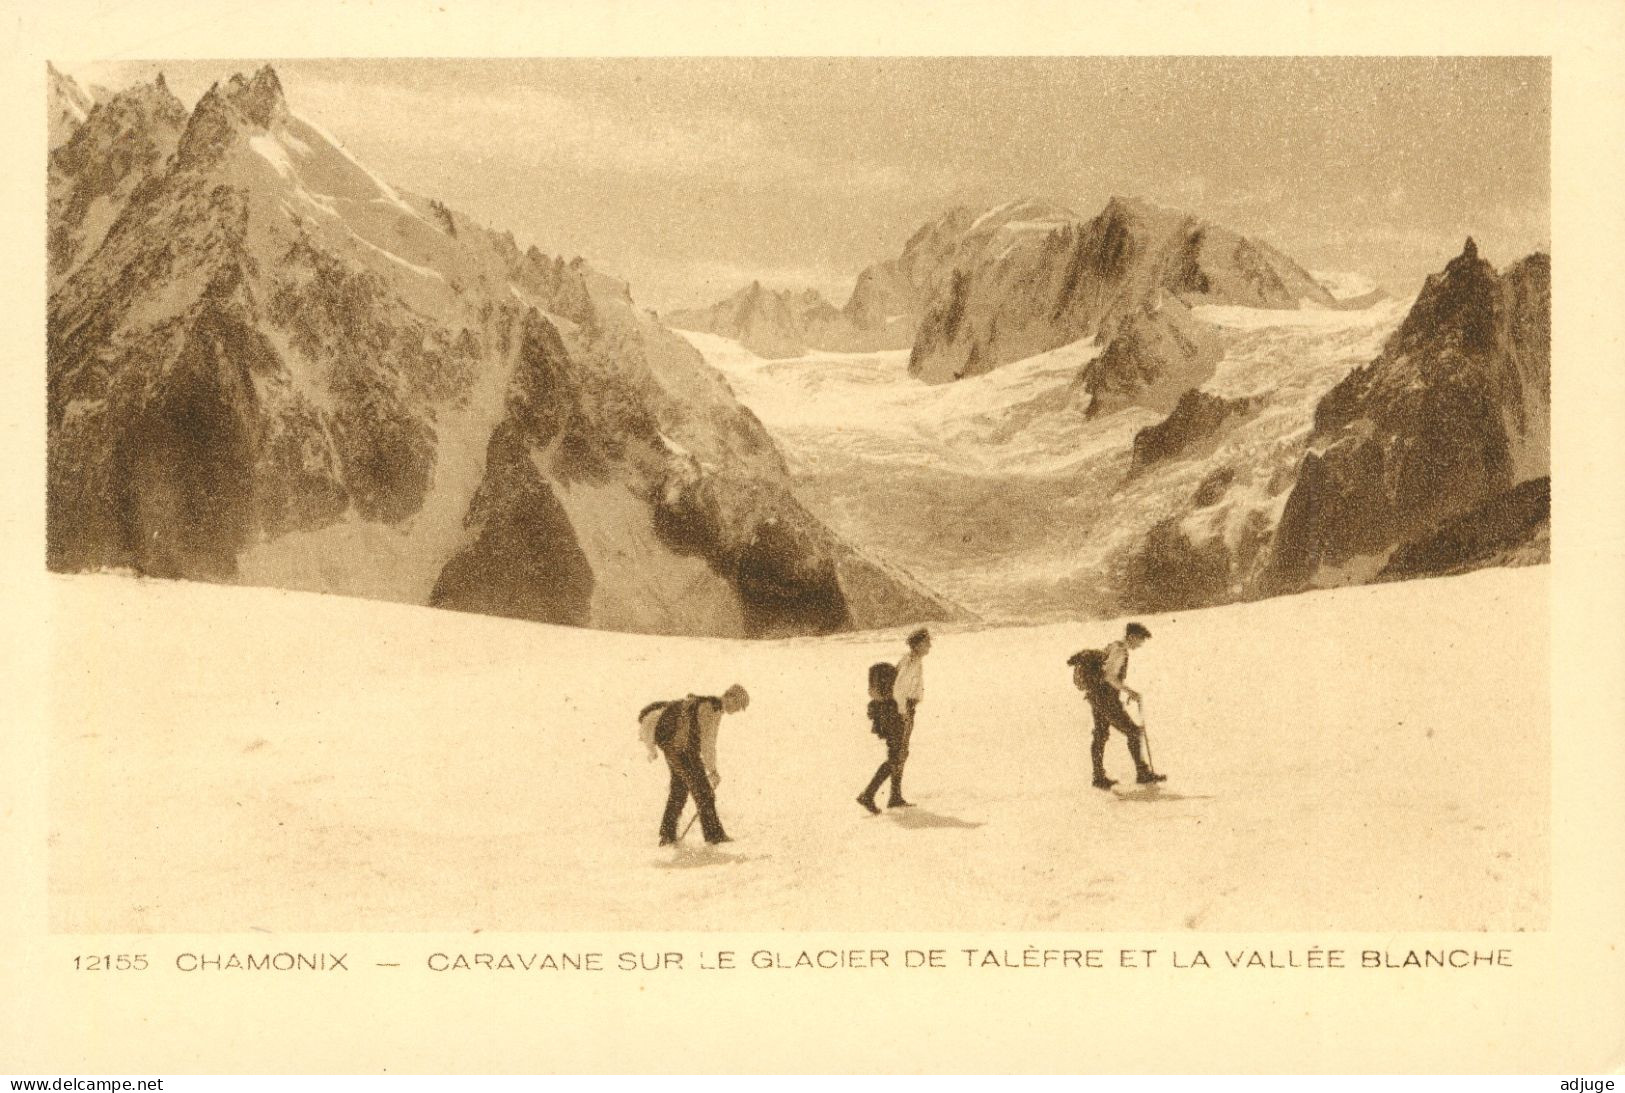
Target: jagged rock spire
(224, 108)
(260, 99)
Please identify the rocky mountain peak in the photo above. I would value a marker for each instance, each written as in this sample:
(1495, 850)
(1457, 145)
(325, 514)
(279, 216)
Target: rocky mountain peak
(755, 299)
(138, 124)
(208, 126)
(1454, 412)
(1028, 210)
(771, 322)
(59, 82)
(952, 222)
(259, 98)
(1467, 261)
(1119, 207)
(1147, 217)
(67, 105)
(1457, 304)
(148, 100)
(101, 162)
(1536, 266)
(224, 110)
(257, 347)
(1029, 276)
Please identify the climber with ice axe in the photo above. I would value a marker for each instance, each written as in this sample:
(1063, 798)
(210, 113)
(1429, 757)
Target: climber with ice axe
(1100, 675)
(685, 731)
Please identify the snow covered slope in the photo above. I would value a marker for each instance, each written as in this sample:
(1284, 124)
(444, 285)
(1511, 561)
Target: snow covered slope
(1029, 276)
(67, 105)
(268, 365)
(1000, 490)
(973, 290)
(1201, 455)
(1371, 758)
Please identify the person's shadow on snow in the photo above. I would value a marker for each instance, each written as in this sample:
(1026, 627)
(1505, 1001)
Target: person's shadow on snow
(701, 856)
(919, 818)
(1157, 793)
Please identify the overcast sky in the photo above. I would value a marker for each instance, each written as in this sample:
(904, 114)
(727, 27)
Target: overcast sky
(691, 177)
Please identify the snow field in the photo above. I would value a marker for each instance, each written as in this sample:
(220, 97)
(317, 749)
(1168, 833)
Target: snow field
(997, 491)
(231, 759)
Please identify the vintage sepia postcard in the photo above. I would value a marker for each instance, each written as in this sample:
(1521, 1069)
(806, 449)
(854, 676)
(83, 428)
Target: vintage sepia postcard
(920, 533)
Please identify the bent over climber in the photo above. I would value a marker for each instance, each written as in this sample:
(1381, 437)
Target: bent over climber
(685, 731)
(1101, 675)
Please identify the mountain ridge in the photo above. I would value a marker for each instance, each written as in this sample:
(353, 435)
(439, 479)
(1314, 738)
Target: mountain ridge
(1455, 410)
(1050, 282)
(972, 290)
(275, 367)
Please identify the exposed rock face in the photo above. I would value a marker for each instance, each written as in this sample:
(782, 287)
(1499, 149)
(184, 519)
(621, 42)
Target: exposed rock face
(1030, 277)
(100, 164)
(1178, 567)
(890, 297)
(1159, 355)
(525, 560)
(1197, 417)
(773, 550)
(1170, 496)
(971, 292)
(67, 105)
(1455, 411)
(1509, 528)
(267, 365)
(1409, 468)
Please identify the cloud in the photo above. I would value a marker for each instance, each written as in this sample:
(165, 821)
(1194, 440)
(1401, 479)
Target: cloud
(536, 126)
(1264, 198)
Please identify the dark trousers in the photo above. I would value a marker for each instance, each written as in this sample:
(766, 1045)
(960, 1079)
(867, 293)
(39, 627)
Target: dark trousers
(688, 779)
(896, 756)
(1107, 707)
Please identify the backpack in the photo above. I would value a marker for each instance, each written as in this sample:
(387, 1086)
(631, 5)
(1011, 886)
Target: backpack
(1088, 669)
(882, 677)
(666, 727)
(884, 718)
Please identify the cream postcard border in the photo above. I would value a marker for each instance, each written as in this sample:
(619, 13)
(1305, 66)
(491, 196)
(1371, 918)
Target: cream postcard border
(1559, 1007)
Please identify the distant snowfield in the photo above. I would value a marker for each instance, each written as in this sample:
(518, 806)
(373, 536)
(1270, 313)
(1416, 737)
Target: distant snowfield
(1344, 284)
(1256, 318)
(996, 490)
(867, 405)
(999, 422)
(229, 759)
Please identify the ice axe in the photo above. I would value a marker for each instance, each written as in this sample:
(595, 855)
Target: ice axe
(690, 824)
(1145, 733)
